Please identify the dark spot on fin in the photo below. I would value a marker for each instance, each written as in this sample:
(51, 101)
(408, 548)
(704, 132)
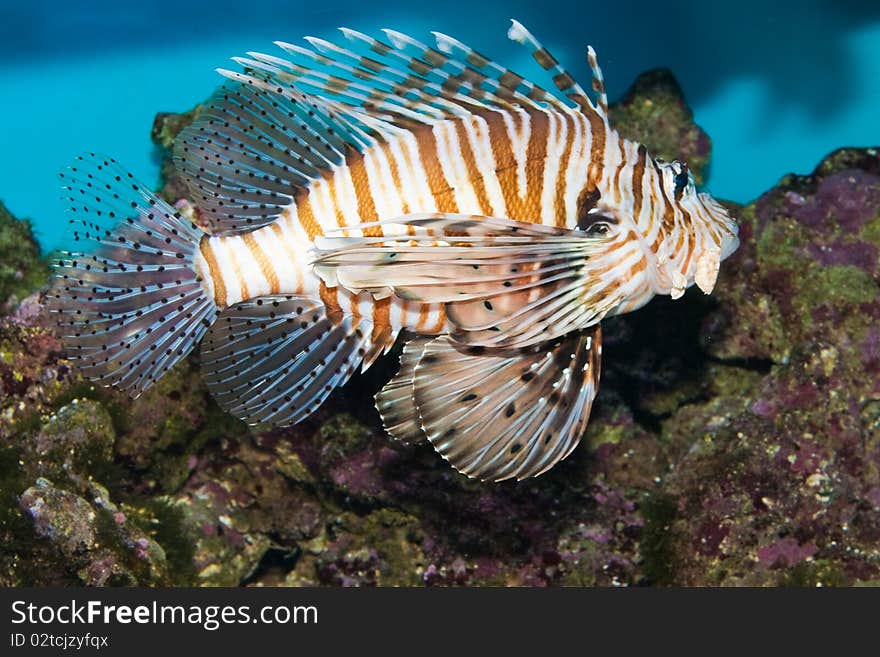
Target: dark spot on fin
(126, 296)
(516, 430)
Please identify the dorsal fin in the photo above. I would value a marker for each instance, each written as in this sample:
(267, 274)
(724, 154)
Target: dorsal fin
(249, 151)
(367, 81)
(562, 79)
(400, 82)
(283, 122)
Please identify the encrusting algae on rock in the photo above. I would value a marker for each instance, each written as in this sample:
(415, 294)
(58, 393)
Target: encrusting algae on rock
(23, 268)
(744, 452)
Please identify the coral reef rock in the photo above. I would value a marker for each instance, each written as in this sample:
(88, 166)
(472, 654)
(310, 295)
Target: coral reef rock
(22, 267)
(735, 441)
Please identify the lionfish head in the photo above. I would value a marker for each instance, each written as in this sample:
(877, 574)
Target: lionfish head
(701, 234)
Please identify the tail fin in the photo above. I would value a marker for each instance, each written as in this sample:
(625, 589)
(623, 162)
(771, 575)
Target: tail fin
(128, 298)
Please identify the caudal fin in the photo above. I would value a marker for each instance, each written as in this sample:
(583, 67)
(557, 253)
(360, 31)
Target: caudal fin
(128, 299)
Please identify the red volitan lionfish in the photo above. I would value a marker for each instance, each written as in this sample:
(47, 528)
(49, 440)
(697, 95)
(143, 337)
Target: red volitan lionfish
(346, 193)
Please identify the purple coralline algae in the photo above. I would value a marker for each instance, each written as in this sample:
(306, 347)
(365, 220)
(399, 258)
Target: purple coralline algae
(736, 439)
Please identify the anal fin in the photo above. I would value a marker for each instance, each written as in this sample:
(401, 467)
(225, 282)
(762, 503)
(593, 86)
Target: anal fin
(273, 360)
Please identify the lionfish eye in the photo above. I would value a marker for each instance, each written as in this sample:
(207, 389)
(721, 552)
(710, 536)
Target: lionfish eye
(681, 181)
(595, 224)
(589, 220)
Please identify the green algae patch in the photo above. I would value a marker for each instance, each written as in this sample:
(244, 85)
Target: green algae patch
(871, 231)
(837, 284)
(781, 244)
(291, 466)
(660, 540)
(22, 267)
(221, 555)
(607, 433)
(811, 574)
(395, 537)
(162, 430)
(379, 549)
(97, 542)
(78, 438)
(167, 526)
(343, 433)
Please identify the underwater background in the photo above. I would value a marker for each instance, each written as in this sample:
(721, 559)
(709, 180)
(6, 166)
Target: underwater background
(776, 85)
(735, 439)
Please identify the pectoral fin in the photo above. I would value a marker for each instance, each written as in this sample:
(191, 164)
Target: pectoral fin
(498, 413)
(505, 283)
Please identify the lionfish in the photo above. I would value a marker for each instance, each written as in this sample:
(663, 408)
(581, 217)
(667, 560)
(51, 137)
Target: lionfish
(352, 191)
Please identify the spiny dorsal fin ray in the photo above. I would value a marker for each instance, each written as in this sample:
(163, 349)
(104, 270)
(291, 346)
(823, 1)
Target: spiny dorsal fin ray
(598, 80)
(368, 94)
(500, 81)
(354, 100)
(361, 129)
(500, 85)
(249, 150)
(562, 79)
(400, 82)
(504, 282)
(499, 414)
(363, 78)
(274, 359)
(395, 402)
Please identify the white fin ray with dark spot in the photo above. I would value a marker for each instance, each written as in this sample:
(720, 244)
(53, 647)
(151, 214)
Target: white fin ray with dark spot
(500, 414)
(273, 360)
(505, 283)
(128, 301)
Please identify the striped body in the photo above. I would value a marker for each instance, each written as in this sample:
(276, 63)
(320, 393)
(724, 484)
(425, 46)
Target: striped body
(531, 165)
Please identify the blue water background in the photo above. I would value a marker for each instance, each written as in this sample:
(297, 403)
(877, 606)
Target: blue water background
(777, 85)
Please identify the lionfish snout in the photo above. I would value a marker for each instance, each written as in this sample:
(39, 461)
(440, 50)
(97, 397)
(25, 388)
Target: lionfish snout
(717, 237)
(726, 225)
(718, 222)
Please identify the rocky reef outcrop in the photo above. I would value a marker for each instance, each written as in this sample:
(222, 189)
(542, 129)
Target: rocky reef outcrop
(735, 441)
